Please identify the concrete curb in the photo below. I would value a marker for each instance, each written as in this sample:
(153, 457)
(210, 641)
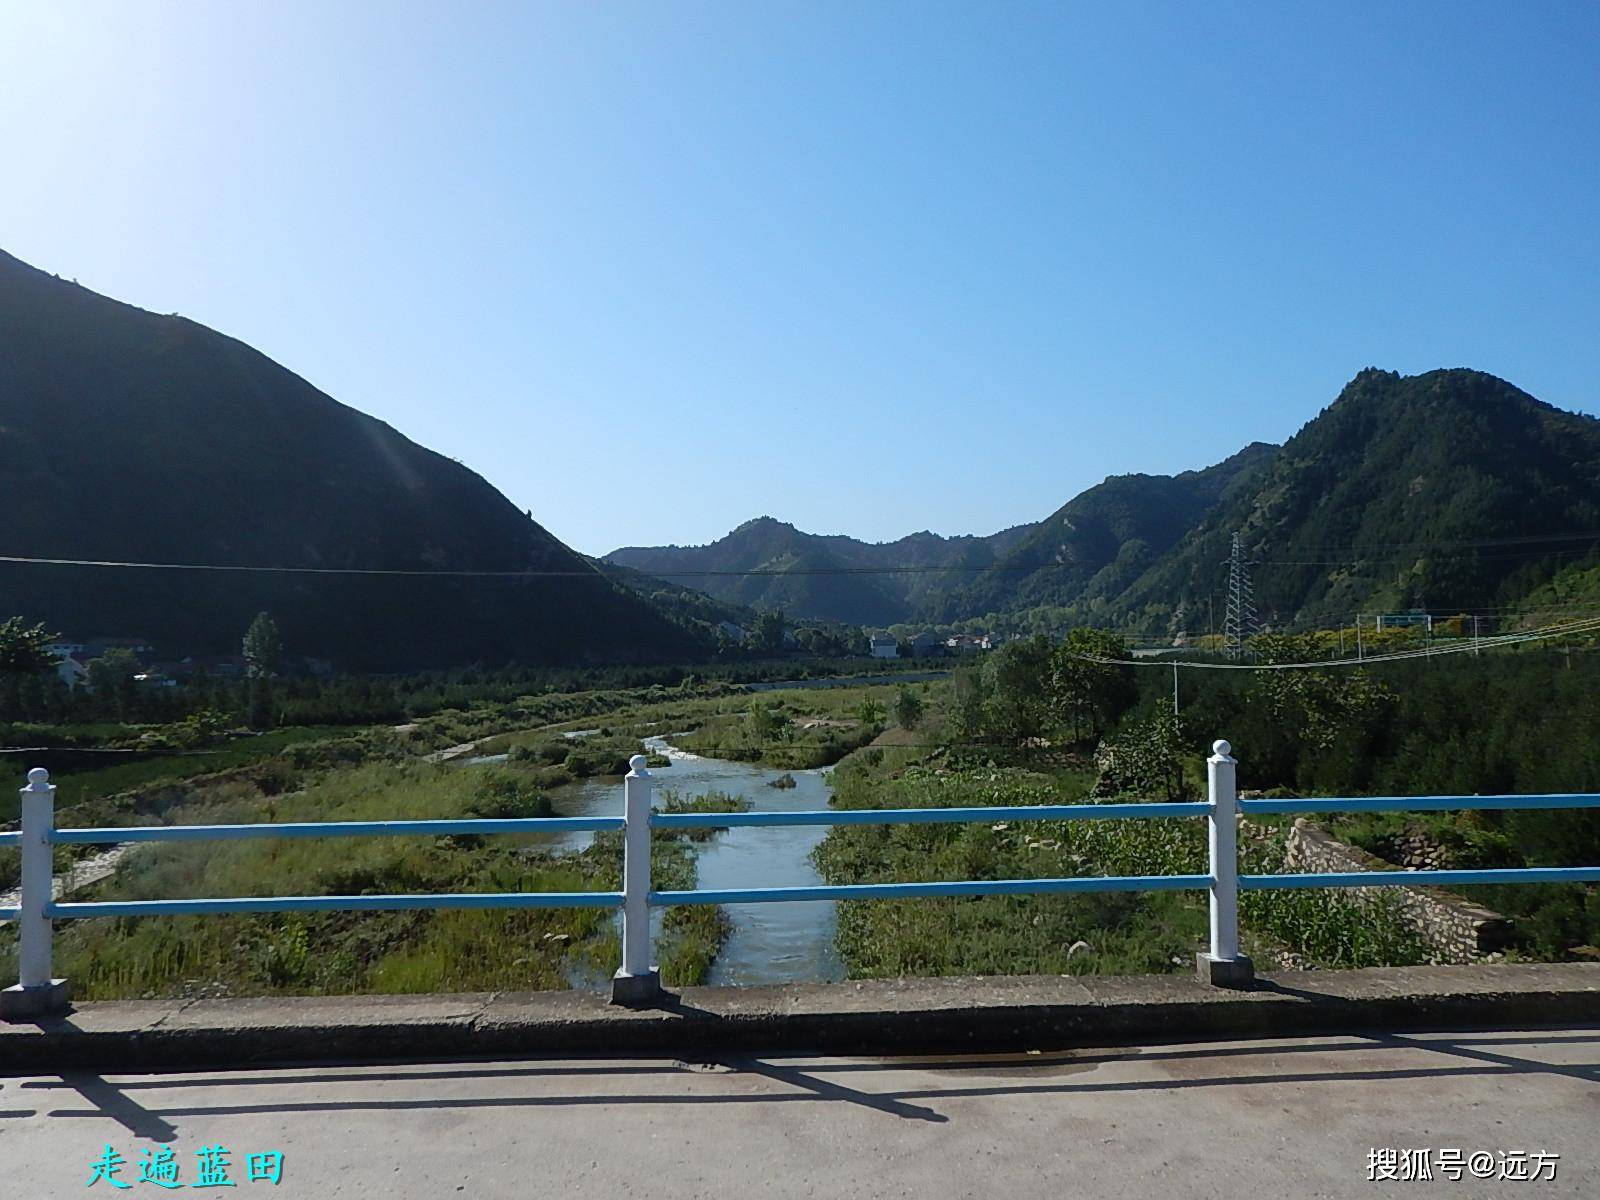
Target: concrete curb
(872, 1017)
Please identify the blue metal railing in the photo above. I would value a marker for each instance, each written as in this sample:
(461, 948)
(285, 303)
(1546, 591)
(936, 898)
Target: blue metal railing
(318, 829)
(39, 834)
(283, 904)
(1418, 803)
(1435, 878)
(931, 816)
(910, 891)
(928, 816)
(56, 910)
(637, 980)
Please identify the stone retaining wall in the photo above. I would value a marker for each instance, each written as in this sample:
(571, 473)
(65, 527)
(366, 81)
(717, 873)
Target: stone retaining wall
(1453, 928)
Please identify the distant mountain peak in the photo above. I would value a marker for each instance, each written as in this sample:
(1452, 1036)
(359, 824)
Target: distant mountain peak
(762, 523)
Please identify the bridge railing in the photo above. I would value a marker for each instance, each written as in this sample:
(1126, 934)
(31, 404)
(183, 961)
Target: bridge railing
(39, 992)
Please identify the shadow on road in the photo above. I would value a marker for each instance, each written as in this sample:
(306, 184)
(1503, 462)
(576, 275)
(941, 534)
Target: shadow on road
(888, 1086)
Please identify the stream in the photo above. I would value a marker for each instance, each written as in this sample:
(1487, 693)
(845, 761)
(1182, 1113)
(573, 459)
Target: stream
(768, 943)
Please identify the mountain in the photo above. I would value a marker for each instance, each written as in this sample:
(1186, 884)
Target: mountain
(1450, 490)
(1099, 542)
(129, 436)
(685, 604)
(831, 577)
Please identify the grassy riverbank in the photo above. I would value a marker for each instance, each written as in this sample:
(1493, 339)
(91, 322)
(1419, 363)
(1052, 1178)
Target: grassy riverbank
(1089, 933)
(384, 773)
(411, 951)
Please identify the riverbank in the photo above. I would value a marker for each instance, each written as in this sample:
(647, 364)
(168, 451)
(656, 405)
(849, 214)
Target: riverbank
(389, 775)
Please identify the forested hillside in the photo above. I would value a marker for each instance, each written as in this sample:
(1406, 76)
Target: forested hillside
(1451, 491)
(130, 436)
(1087, 552)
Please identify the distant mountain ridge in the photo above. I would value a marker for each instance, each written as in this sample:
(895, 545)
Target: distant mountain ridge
(131, 436)
(1451, 490)
(826, 576)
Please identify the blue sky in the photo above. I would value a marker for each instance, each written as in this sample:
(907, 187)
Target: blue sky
(653, 269)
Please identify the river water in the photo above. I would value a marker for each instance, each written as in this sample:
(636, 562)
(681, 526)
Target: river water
(768, 943)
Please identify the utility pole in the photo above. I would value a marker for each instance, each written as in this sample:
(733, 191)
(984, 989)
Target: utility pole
(1240, 621)
(1474, 635)
(1174, 689)
(1360, 653)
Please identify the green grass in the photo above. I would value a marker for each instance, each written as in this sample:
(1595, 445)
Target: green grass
(1124, 932)
(329, 953)
(1141, 932)
(791, 730)
(81, 783)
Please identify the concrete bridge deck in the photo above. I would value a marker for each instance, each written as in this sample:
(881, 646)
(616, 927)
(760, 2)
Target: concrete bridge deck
(1288, 1117)
(1010, 1088)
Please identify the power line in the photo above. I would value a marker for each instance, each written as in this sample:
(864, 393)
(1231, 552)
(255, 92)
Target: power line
(1355, 554)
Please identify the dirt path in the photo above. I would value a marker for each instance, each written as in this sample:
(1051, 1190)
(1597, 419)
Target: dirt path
(80, 874)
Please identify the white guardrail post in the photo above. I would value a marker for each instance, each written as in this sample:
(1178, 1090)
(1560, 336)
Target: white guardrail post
(637, 983)
(1224, 966)
(36, 993)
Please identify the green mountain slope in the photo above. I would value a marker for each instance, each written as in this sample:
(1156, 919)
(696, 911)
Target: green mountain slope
(1099, 542)
(686, 604)
(1452, 490)
(1447, 490)
(135, 437)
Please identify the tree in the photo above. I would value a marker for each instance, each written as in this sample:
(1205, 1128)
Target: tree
(111, 680)
(1087, 695)
(767, 635)
(907, 707)
(263, 646)
(22, 648)
(1017, 677)
(968, 704)
(766, 724)
(1316, 705)
(870, 712)
(1145, 759)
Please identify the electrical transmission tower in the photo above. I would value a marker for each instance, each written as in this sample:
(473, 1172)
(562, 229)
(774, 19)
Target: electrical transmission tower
(1240, 622)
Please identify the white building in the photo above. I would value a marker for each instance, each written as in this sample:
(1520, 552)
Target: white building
(884, 646)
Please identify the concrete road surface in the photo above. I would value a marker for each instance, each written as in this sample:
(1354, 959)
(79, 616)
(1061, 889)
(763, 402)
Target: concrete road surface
(1284, 1118)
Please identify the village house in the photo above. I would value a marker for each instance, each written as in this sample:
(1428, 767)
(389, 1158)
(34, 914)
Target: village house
(882, 645)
